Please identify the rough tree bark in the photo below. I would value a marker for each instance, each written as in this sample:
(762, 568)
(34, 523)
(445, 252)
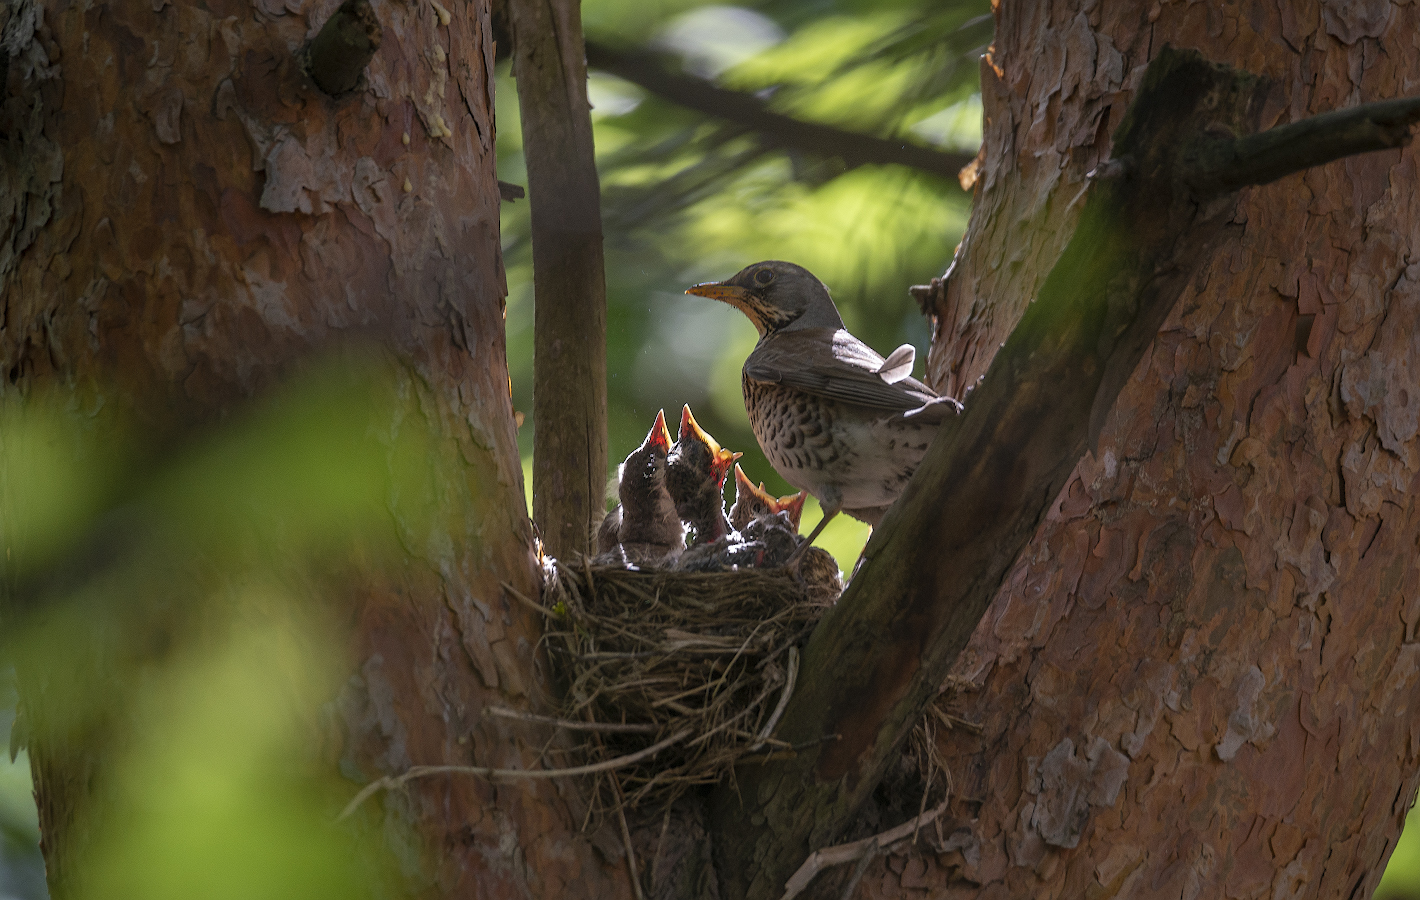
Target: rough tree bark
(1199, 679)
(186, 217)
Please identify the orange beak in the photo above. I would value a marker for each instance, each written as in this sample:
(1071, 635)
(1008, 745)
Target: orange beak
(732, 294)
(722, 463)
(690, 428)
(743, 486)
(794, 506)
(660, 436)
(718, 290)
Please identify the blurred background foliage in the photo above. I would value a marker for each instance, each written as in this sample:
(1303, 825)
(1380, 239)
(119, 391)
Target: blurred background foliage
(704, 171)
(165, 607)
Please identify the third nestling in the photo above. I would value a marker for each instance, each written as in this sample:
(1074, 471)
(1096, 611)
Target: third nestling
(751, 502)
(765, 534)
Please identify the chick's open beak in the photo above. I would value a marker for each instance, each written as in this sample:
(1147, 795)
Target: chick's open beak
(690, 428)
(794, 506)
(742, 483)
(722, 463)
(660, 436)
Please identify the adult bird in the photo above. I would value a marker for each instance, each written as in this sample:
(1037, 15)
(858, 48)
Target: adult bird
(833, 417)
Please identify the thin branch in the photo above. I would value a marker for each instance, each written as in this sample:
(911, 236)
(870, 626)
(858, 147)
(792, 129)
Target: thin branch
(631, 867)
(607, 727)
(846, 853)
(1229, 164)
(531, 604)
(751, 113)
(793, 676)
(389, 782)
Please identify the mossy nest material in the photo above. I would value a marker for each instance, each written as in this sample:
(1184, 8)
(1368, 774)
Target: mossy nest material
(708, 652)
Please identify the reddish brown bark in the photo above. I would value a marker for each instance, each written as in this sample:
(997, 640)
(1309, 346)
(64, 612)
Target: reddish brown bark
(188, 217)
(1199, 680)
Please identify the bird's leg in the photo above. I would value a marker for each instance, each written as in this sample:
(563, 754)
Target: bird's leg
(828, 513)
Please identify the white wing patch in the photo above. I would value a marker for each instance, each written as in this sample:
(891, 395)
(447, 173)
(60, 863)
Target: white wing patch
(898, 365)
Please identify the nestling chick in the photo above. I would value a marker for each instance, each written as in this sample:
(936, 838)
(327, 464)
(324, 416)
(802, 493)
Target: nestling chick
(644, 528)
(695, 476)
(752, 502)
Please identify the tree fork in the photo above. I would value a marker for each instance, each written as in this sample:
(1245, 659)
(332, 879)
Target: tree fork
(880, 656)
(569, 282)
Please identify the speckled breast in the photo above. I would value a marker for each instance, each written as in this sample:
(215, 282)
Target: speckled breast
(835, 450)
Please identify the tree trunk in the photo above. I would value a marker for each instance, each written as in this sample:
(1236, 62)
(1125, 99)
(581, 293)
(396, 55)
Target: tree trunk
(1199, 680)
(188, 216)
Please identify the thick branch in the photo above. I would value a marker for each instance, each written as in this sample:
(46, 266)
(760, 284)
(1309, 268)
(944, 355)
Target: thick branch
(1230, 164)
(569, 283)
(345, 44)
(941, 555)
(773, 128)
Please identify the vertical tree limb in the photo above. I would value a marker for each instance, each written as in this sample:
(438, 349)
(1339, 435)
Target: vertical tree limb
(569, 379)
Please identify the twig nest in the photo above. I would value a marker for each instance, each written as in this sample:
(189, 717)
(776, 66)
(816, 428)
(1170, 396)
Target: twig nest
(711, 651)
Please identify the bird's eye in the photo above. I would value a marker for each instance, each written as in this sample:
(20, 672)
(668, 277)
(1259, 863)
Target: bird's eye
(764, 276)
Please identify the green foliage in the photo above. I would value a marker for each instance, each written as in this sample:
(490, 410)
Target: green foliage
(167, 604)
(1401, 880)
(220, 790)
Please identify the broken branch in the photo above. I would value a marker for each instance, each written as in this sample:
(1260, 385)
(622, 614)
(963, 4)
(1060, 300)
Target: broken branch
(338, 54)
(846, 853)
(1230, 164)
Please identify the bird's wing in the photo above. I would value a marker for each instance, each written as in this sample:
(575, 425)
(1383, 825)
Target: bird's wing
(834, 364)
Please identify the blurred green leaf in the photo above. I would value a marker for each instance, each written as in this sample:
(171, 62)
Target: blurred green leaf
(51, 479)
(310, 469)
(218, 795)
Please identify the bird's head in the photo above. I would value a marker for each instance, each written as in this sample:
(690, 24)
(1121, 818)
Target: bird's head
(717, 458)
(775, 294)
(757, 499)
(794, 506)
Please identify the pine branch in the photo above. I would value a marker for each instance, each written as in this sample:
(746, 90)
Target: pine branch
(774, 129)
